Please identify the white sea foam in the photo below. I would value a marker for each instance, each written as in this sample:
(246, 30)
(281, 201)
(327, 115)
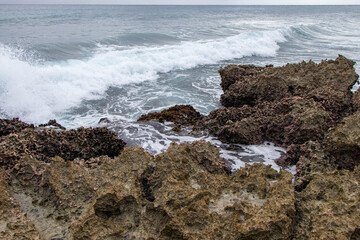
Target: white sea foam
(36, 92)
(156, 138)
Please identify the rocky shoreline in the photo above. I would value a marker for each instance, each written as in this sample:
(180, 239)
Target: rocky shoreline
(85, 184)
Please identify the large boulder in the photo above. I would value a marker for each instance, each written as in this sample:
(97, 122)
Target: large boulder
(328, 82)
(287, 105)
(293, 120)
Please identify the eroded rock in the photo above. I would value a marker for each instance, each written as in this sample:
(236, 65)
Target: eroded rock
(288, 105)
(180, 115)
(8, 126)
(343, 142)
(44, 144)
(329, 206)
(186, 192)
(14, 224)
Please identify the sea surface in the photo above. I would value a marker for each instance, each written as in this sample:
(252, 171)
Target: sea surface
(80, 63)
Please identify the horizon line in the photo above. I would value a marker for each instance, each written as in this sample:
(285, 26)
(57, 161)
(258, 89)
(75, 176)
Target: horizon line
(154, 4)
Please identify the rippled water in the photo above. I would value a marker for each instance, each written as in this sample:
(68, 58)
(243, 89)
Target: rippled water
(78, 64)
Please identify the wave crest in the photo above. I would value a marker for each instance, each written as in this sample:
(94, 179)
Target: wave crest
(36, 92)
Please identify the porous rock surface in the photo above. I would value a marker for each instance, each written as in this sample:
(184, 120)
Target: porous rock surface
(58, 184)
(8, 126)
(185, 193)
(288, 105)
(180, 115)
(46, 143)
(14, 223)
(310, 109)
(329, 206)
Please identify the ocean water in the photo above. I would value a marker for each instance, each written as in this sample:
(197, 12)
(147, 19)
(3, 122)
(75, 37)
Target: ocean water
(77, 64)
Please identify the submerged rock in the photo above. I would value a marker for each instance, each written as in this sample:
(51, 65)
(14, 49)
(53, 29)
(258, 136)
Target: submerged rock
(180, 115)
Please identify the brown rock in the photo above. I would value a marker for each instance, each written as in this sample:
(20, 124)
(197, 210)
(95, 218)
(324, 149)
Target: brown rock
(180, 115)
(321, 81)
(185, 192)
(53, 124)
(343, 142)
(14, 224)
(12, 126)
(213, 206)
(287, 105)
(329, 207)
(292, 120)
(44, 144)
(356, 100)
(234, 73)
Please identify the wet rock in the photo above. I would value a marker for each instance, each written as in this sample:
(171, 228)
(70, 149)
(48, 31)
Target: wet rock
(292, 120)
(293, 154)
(53, 125)
(287, 105)
(319, 81)
(180, 115)
(44, 144)
(329, 206)
(234, 73)
(104, 120)
(12, 126)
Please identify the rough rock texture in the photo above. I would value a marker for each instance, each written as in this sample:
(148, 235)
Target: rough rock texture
(52, 124)
(8, 126)
(329, 207)
(343, 142)
(233, 73)
(320, 81)
(208, 206)
(44, 144)
(287, 105)
(184, 193)
(180, 115)
(14, 223)
(356, 101)
(173, 197)
(58, 184)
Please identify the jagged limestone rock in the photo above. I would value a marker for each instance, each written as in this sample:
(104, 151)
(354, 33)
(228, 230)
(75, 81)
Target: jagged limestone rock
(14, 223)
(329, 206)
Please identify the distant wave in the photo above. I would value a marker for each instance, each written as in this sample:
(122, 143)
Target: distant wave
(36, 92)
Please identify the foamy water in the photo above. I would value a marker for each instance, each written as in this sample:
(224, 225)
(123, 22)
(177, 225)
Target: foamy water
(78, 64)
(49, 89)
